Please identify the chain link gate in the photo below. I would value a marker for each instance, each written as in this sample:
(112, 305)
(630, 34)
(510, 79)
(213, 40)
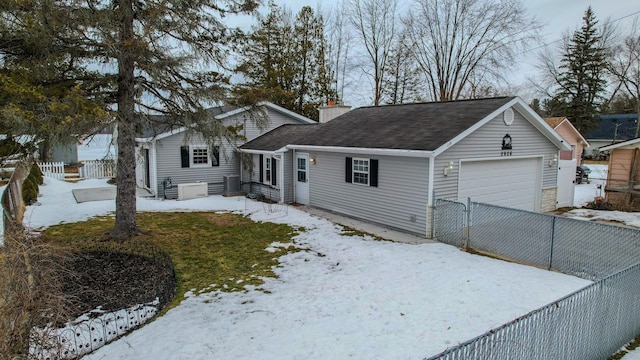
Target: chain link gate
(450, 222)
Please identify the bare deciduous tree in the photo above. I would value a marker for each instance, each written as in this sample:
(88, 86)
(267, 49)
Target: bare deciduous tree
(339, 42)
(455, 39)
(375, 24)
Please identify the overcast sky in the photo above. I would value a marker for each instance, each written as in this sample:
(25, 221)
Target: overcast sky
(559, 16)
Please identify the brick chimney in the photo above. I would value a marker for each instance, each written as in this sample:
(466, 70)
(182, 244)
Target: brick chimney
(332, 111)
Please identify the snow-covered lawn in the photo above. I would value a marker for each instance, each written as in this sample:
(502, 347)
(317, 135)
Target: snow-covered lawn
(343, 297)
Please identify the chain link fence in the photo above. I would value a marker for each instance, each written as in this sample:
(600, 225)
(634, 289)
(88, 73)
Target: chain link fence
(592, 323)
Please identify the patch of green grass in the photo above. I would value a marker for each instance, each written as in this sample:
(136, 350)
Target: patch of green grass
(349, 231)
(224, 249)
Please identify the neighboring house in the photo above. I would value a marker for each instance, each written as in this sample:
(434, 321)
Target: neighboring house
(168, 158)
(388, 164)
(568, 159)
(571, 135)
(612, 128)
(623, 176)
(65, 152)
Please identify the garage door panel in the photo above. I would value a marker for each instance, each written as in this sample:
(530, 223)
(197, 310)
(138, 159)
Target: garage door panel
(508, 182)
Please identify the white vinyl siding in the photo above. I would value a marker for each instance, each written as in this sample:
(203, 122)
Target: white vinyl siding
(168, 159)
(399, 200)
(485, 143)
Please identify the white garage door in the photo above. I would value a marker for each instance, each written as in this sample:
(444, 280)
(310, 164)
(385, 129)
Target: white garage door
(510, 182)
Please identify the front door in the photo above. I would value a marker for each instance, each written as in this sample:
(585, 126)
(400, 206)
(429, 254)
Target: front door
(302, 179)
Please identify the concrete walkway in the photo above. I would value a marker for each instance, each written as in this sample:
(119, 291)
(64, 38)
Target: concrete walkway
(366, 227)
(102, 193)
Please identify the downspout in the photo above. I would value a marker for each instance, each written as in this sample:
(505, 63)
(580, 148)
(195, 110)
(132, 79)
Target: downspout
(430, 198)
(154, 168)
(281, 176)
(295, 170)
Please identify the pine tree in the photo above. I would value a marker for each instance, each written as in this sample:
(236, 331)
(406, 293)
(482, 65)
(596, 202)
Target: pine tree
(158, 57)
(582, 76)
(44, 93)
(285, 62)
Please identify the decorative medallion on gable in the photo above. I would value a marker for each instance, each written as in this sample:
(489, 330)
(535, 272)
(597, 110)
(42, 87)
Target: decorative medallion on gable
(507, 116)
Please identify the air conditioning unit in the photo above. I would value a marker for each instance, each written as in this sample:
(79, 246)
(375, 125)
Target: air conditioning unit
(192, 190)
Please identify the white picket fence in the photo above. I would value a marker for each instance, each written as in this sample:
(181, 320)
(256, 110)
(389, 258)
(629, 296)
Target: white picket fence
(52, 169)
(97, 169)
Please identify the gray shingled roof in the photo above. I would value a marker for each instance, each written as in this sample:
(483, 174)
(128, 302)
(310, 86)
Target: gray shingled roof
(281, 136)
(159, 124)
(421, 126)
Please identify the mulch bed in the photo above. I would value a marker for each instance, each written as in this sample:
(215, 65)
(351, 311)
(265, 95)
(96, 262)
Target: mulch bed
(114, 281)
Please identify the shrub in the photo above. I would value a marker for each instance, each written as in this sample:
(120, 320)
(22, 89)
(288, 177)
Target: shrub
(30, 190)
(37, 173)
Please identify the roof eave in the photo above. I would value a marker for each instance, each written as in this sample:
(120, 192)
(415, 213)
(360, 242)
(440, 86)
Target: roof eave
(269, 105)
(584, 141)
(370, 151)
(621, 144)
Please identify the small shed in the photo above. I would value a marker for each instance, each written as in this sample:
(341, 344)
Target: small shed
(623, 179)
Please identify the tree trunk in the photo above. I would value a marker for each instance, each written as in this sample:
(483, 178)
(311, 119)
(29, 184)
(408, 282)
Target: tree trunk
(125, 226)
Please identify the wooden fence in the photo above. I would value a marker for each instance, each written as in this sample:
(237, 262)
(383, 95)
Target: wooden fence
(52, 169)
(97, 169)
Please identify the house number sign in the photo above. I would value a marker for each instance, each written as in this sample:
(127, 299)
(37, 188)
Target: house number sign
(506, 146)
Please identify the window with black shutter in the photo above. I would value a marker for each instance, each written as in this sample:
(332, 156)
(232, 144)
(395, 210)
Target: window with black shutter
(184, 156)
(361, 171)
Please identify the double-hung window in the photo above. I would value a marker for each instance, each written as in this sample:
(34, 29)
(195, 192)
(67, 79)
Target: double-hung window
(199, 156)
(267, 170)
(361, 171)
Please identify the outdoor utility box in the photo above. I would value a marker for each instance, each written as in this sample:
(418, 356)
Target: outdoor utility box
(231, 184)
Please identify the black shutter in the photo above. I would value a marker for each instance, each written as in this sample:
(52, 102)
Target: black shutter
(216, 156)
(274, 171)
(348, 170)
(184, 156)
(261, 168)
(373, 173)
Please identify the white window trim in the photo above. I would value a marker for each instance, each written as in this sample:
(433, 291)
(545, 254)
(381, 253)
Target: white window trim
(192, 148)
(353, 171)
(267, 169)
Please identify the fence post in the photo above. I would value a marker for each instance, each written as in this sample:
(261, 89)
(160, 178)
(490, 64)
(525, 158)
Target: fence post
(467, 239)
(433, 215)
(553, 235)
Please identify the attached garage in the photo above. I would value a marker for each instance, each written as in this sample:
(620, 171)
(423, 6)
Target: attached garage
(495, 150)
(515, 183)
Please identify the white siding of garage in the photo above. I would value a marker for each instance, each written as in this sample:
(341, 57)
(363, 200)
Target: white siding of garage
(486, 143)
(399, 201)
(505, 182)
